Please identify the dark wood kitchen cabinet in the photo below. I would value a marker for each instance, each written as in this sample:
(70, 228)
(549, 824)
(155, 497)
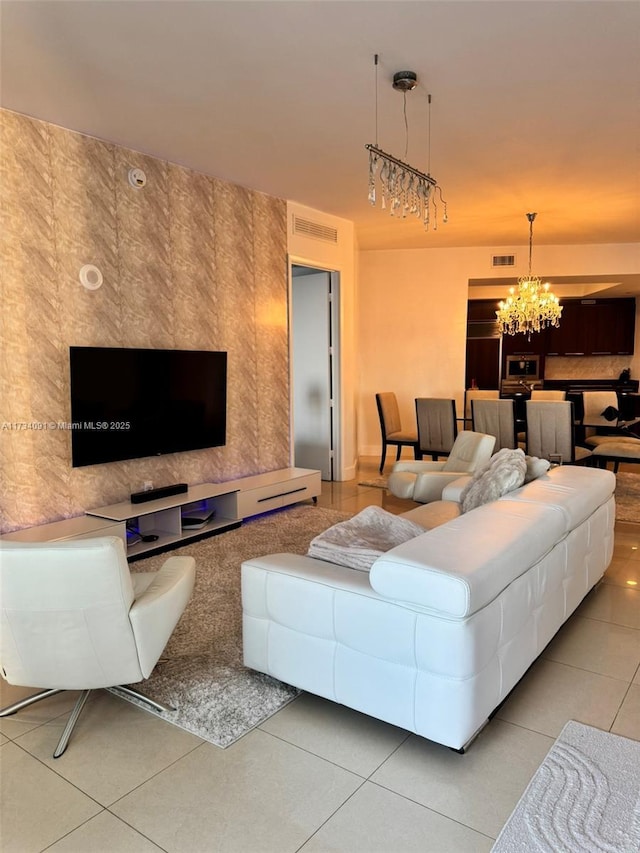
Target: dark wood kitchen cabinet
(594, 327)
(570, 337)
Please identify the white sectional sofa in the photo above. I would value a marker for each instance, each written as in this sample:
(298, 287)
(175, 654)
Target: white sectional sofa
(440, 630)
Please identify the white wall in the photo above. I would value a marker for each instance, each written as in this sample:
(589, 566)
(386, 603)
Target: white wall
(411, 316)
(341, 257)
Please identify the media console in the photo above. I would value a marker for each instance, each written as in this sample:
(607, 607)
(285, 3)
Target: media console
(231, 502)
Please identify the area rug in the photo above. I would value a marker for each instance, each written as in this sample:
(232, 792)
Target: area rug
(201, 673)
(584, 798)
(627, 497)
(375, 483)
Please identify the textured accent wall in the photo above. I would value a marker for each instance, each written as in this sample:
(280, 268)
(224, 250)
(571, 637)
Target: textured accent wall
(189, 262)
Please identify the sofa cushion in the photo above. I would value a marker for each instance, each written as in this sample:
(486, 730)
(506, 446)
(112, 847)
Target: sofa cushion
(433, 514)
(359, 541)
(504, 472)
(536, 467)
(459, 567)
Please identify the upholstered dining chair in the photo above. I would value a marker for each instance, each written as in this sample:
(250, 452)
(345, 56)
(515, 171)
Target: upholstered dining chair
(391, 427)
(437, 426)
(551, 432)
(477, 394)
(594, 404)
(73, 617)
(544, 394)
(541, 394)
(498, 418)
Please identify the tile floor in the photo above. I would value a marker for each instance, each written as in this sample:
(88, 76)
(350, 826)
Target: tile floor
(316, 777)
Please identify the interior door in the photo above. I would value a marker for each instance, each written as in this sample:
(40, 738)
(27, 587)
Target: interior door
(312, 370)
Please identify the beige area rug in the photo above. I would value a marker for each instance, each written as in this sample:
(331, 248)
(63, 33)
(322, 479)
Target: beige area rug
(627, 497)
(584, 798)
(203, 676)
(375, 483)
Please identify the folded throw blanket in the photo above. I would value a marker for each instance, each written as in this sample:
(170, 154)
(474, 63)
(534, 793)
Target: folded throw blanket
(358, 542)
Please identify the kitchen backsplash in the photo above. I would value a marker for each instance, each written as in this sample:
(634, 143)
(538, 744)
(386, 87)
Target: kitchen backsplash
(586, 367)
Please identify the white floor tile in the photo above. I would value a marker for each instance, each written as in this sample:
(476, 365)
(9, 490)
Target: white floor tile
(354, 741)
(627, 722)
(612, 603)
(113, 749)
(375, 820)
(552, 693)
(33, 715)
(478, 789)
(104, 834)
(597, 646)
(623, 572)
(37, 806)
(260, 794)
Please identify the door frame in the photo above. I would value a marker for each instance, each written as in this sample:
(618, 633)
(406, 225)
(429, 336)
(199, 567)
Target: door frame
(334, 352)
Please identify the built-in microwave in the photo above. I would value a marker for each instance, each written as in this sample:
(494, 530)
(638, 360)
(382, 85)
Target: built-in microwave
(523, 367)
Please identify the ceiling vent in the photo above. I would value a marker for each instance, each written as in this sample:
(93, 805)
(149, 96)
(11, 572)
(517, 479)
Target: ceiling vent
(503, 260)
(309, 228)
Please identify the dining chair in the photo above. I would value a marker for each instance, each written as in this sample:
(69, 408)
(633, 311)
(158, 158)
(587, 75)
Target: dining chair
(551, 432)
(595, 404)
(542, 394)
(477, 394)
(73, 617)
(391, 427)
(539, 394)
(437, 426)
(497, 418)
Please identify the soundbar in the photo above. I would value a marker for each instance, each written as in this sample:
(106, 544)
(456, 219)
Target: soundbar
(162, 492)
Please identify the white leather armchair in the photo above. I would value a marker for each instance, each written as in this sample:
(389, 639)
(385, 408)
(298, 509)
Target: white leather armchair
(73, 617)
(425, 481)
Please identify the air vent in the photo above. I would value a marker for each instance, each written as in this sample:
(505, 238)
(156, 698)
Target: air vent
(503, 260)
(308, 228)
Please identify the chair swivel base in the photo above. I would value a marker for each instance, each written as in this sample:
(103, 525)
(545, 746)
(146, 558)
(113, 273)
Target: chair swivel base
(77, 710)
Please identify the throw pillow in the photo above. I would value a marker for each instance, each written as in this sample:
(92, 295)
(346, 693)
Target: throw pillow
(506, 472)
(358, 542)
(610, 414)
(536, 467)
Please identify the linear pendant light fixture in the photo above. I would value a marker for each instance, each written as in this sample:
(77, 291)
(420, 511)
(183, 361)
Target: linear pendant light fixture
(534, 307)
(405, 190)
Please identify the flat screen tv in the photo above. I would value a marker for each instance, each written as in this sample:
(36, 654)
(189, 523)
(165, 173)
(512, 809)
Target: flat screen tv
(130, 403)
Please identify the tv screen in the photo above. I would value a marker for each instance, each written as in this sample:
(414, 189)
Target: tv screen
(129, 403)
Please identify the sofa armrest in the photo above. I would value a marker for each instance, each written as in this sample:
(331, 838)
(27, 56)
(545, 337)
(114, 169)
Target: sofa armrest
(453, 490)
(430, 487)
(418, 466)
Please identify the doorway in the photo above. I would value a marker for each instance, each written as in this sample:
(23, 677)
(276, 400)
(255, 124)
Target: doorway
(314, 368)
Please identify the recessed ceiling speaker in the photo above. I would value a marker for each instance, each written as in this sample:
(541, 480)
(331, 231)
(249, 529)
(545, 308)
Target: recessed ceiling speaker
(90, 277)
(137, 178)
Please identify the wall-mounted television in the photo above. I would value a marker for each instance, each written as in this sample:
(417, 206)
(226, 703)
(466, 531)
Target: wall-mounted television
(130, 403)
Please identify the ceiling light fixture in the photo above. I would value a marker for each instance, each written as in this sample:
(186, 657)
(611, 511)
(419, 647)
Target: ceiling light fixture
(534, 307)
(404, 189)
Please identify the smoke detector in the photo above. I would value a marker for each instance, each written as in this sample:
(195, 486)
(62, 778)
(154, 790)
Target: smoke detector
(405, 81)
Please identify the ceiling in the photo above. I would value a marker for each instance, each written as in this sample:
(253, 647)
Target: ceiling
(535, 105)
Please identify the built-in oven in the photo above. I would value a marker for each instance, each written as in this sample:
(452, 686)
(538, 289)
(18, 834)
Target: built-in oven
(521, 372)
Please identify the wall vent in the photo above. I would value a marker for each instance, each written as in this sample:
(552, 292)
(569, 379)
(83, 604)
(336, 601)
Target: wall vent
(503, 260)
(309, 228)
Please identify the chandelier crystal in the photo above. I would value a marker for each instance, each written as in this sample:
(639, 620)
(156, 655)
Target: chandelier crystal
(532, 307)
(402, 189)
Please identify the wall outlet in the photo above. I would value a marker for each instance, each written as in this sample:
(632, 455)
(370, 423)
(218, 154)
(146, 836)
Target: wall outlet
(147, 486)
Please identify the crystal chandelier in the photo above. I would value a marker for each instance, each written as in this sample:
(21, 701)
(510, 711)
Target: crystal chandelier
(534, 307)
(403, 189)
